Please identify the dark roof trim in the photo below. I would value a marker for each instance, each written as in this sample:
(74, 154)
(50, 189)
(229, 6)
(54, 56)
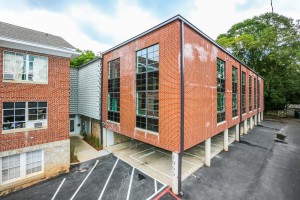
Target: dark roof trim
(179, 17)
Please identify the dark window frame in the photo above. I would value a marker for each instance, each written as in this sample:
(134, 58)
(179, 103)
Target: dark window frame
(250, 93)
(243, 103)
(221, 90)
(113, 97)
(234, 91)
(255, 93)
(147, 88)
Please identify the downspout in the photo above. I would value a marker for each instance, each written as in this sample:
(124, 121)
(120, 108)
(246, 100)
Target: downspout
(181, 105)
(101, 100)
(240, 103)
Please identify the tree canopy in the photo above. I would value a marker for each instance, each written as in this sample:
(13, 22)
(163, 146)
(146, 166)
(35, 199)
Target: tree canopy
(85, 57)
(270, 44)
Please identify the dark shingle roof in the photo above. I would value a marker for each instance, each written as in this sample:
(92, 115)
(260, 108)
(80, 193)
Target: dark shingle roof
(29, 35)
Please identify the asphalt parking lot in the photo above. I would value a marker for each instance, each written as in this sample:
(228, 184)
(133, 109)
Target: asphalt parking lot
(107, 177)
(264, 165)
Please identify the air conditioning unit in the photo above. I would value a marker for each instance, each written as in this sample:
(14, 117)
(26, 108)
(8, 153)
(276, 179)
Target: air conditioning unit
(38, 124)
(9, 76)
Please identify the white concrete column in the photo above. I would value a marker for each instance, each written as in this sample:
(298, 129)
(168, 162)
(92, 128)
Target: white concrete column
(245, 126)
(242, 129)
(251, 122)
(262, 115)
(255, 120)
(237, 136)
(175, 173)
(258, 117)
(226, 140)
(207, 152)
(104, 138)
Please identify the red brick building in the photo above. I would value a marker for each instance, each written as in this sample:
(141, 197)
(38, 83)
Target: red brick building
(174, 87)
(34, 106)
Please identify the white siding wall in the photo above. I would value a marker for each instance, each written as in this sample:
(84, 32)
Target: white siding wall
(89, 89)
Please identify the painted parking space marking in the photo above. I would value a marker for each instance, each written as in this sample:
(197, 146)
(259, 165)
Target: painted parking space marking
(161, 189)
(147, 154)
(108, 179)
(58, 189)
(155, 185)
(84, 180)
(130, 184)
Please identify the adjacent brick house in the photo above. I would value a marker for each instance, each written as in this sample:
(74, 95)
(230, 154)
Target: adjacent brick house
(174, 87)
(34, 106)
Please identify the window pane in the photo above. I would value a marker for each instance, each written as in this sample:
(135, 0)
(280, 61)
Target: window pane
(8, 105)
(32, 104)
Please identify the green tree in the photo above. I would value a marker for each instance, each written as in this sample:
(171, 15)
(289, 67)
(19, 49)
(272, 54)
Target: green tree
(270, 44)
(85, 57)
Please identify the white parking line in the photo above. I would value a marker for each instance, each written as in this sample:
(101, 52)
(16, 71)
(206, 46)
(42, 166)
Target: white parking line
(84, 180)
(155, 185)
(194, 155)
(58, 189)
(108, 179)
(153, 195)
(141, 151)
(147, 154)
(130, 183)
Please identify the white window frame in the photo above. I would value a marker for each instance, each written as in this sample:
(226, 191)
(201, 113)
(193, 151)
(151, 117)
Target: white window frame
(29, 124)
(23, 165)
(27, 69)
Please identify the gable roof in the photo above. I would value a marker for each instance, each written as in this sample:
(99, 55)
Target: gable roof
(12, 34)
(29, 35)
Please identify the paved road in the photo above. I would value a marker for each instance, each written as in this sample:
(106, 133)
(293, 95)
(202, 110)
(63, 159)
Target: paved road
(265, 165)
(108, 178)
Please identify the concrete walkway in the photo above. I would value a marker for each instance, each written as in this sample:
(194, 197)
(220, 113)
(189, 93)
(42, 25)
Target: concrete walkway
(84, 151)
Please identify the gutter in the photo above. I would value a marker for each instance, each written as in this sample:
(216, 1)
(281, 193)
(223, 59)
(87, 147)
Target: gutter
(101, 100)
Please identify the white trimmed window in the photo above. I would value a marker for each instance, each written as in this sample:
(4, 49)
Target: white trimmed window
(21, 165)
(25, 67)
(18, 115)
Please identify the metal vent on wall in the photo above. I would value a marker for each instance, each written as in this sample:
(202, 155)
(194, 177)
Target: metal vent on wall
(9, 76)
(38, 124)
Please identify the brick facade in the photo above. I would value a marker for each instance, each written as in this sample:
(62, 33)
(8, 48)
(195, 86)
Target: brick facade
(200, 76)
(56, 93)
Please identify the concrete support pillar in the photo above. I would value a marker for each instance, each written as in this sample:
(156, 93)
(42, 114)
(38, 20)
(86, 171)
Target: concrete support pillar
(237, 135)
(255, 120)
(207, 152)
(226, 140)
(258, 117)
(175, 173)
(241, 128)
(251, 122)
(262, 116)
(104, 138)
(245, 127)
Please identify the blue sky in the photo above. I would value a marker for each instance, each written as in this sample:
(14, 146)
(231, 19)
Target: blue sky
(100, 24)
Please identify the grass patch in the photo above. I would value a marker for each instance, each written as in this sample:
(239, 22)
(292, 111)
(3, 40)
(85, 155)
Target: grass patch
(93, 141)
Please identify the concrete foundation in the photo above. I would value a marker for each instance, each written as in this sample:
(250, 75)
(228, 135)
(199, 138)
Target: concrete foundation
(56, 156)
(207, 152)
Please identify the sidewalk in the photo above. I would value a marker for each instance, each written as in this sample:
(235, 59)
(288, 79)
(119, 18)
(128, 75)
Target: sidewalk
(84, 151)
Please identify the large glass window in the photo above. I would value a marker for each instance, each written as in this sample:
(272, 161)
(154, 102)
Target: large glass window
(243, 92)
(25, 67)
(114, 90)
(18, 115)
(234, 92)
(10, 167)
(250, 93)
(255, 95)
(258, 91)
(33, 161)
(147, 77)
(21, 165)
(220, 90)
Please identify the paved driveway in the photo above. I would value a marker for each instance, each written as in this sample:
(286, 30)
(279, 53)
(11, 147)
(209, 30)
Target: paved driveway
(265, 165)
(104, 178)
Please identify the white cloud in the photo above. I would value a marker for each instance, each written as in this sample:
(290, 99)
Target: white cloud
(128, 19)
